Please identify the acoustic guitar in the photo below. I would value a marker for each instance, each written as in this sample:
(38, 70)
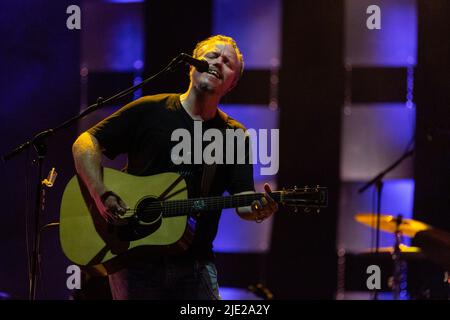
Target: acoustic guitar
(162, 218)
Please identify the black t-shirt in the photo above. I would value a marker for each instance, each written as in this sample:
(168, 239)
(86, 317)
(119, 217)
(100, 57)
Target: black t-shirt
(143, 129)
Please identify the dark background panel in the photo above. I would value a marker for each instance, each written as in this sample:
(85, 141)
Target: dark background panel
(240, 269)
(253, 88)
(106, 84)
(378, 84)
(302, 258)
(173, 27)
(432, 91)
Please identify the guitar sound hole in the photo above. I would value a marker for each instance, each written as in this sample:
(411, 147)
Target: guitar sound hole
(149, 210)
(146, 221)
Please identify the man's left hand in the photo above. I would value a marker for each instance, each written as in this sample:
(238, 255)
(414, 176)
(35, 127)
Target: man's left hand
(265, 207)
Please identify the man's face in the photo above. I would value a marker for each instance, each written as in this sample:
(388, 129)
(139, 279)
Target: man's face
(224, 68)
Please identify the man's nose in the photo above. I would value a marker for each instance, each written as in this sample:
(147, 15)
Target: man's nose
(218, 61)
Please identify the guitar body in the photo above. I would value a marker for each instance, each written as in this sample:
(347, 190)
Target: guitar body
(161, 217)
(88, 240)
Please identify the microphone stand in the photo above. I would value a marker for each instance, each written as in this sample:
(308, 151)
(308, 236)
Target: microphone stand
(378, 182)
(39, 142)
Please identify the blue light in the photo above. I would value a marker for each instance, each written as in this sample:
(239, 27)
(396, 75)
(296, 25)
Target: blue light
(138, 64)
(395, 44)
(227, 293)
(138, 93)
(116, 41)
(373, 136)
(257, 37)
(400, 30)
(397, 198)
(125, 1)
(254, 117)
(127, 44)
(4, 296)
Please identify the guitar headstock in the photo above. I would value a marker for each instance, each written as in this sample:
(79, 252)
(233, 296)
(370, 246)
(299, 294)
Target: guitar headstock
(306, 198)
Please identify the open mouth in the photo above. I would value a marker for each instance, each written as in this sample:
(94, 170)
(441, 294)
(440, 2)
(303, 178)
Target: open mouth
(215, 74)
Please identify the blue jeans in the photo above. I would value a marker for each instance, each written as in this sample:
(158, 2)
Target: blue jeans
(166, 278)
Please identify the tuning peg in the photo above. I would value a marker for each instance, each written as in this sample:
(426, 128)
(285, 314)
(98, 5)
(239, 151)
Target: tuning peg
(307, 210)
(318, 210)
(296, 210)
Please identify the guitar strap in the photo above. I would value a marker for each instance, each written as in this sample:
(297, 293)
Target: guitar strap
(209, 171)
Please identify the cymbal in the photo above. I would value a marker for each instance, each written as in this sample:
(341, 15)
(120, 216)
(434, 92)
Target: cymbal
(408, 227)
(405, 251)
(402, 247)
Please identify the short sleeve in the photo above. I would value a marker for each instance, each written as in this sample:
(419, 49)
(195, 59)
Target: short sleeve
(115, 134)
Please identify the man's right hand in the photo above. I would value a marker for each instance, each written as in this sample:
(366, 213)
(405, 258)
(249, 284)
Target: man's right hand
(87, 154)
(113, 209)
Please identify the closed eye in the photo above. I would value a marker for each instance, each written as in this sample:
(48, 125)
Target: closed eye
(212, 55)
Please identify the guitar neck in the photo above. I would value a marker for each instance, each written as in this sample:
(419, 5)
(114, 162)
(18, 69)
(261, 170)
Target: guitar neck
(194, 205)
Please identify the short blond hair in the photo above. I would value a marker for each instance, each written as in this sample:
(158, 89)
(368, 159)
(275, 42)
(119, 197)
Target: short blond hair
(226, 39)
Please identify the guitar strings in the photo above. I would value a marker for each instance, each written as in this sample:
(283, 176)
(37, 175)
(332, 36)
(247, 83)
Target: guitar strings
(173, 207)
(211, 201)
(169, 207)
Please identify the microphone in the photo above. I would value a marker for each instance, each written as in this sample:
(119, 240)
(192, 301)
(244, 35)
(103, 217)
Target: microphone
(200, 64)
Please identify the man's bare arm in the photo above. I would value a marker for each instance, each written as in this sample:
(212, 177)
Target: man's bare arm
(87, 155)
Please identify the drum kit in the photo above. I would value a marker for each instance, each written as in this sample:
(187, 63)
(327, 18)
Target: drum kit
(431, 244)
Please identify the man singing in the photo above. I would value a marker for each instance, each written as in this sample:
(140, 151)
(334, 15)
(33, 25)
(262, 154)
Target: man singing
(143, 129)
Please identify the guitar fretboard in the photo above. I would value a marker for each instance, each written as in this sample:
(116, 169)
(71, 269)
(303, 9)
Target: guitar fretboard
(194, 205)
